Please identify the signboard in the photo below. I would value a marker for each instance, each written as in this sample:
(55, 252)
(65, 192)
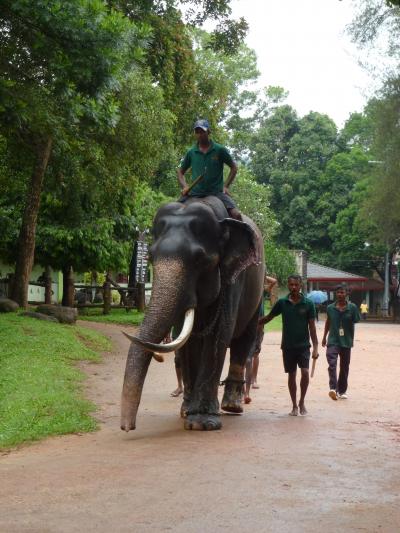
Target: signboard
(141, 256)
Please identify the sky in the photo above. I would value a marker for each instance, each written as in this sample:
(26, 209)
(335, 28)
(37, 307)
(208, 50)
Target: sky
(301, 46)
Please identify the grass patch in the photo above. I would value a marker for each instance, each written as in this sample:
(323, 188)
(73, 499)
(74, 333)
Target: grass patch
(40, 389)
(116, 316)
(93, 340)
(275, 324)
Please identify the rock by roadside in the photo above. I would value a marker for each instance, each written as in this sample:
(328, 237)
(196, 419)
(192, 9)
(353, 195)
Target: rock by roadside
(65, 315)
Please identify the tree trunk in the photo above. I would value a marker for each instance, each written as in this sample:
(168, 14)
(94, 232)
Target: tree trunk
(26, 241)
(47, 286)
(68, 287)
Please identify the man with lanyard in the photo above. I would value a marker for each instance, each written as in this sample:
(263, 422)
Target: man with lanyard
(341, 317)
(206, 158)
(298, 324)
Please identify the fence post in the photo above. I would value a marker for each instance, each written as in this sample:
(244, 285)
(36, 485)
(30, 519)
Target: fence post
(106, 297)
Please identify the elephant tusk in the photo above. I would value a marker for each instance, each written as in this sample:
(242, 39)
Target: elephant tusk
(157, 356)
(158, 349)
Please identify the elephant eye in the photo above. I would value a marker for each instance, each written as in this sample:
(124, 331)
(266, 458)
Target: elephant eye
(195, 227)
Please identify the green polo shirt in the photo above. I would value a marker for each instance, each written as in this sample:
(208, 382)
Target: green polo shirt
(212, 162)
(342, 319)
(295, 317)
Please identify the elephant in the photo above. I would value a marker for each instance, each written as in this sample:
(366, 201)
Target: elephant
(208, 275)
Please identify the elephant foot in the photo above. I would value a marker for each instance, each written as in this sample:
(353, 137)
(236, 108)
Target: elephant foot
(184, 409)
(234, 406)
(202, 422)
(232, 399)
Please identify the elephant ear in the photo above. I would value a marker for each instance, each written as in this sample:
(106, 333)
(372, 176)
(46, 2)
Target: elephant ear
(242, 248)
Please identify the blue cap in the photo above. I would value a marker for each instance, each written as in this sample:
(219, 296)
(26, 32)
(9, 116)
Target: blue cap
(202, 123)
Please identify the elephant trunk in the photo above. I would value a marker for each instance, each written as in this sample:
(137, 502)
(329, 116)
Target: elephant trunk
(168, 302)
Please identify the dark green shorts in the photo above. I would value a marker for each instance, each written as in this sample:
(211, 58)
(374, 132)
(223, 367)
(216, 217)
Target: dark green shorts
(295, 357)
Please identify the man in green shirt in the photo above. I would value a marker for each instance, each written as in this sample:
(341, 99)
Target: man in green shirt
(298, 324)
(341, 317)
(206, 158)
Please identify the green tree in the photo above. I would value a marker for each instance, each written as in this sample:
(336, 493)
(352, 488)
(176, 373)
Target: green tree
(171, 55)
(291, 155)
(280, 262)
(352, 247)
(227, 35)
(376, 19)
(270, 143)
(384, 201)
(222, 82)
(60, 65)
(253, 199)
(96, 192)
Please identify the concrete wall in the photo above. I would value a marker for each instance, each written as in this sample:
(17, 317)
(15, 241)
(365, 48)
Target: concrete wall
(35, 293)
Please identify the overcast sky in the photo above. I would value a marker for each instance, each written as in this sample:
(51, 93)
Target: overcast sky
(301, 46)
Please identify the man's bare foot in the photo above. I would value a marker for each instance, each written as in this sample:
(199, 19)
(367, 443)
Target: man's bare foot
(177, 392)
(303, 410)
(294, 411)
(255, 385)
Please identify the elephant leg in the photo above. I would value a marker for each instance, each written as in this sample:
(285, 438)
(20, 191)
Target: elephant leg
(190, 368)
(240, 349)
(202, 411)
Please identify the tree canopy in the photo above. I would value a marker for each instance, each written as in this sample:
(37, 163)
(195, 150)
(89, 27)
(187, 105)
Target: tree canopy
(97, 105)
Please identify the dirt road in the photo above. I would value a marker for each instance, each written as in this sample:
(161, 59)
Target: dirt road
(336, 469)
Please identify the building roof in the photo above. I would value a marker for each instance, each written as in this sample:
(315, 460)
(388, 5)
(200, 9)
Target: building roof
(327, 278)
(316, 272)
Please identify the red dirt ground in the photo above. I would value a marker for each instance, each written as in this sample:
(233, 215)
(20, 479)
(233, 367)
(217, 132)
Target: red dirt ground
(336, 469)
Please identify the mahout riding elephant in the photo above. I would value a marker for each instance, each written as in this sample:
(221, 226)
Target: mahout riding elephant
(208, 276)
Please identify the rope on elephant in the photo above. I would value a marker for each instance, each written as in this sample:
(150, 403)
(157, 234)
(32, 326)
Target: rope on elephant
(240, 381)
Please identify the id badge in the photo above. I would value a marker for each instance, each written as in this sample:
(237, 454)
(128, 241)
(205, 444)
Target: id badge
(341, 332)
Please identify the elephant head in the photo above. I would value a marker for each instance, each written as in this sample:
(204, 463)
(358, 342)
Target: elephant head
(195, 251)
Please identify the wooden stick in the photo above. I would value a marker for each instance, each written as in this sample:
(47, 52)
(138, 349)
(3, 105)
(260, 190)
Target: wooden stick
(195, 182)
(314, 362)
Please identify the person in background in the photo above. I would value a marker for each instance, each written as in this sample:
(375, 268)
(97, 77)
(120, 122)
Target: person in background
(339, 327)
(178, 370)
(364, 310)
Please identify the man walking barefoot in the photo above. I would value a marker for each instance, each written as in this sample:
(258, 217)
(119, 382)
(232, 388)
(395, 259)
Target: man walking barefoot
(298, 325)
(341, 317)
